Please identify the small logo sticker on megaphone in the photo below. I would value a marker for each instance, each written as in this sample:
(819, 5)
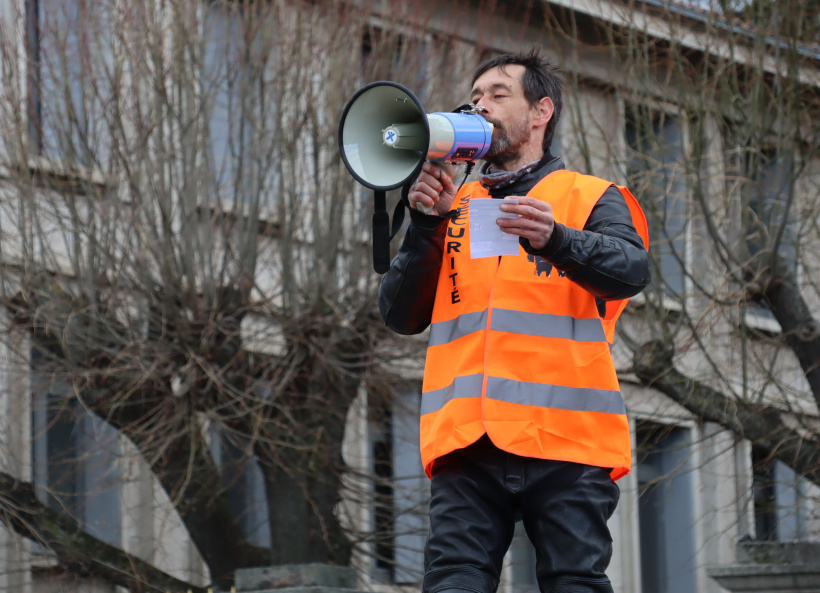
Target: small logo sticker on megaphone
(390, 136)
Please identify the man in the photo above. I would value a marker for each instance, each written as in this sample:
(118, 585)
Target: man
(521, 413)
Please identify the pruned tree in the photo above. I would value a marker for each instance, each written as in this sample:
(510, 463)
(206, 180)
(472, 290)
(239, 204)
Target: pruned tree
(185, 264)
(720, 145)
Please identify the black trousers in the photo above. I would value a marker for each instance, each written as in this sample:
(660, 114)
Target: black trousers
(480, 492)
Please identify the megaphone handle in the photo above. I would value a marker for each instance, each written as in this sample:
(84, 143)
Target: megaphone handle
(449, 169)
(381, 233)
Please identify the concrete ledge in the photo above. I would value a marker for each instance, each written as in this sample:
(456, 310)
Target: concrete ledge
(748, 578)
(296, 578)
(778, 553)
(781, 567)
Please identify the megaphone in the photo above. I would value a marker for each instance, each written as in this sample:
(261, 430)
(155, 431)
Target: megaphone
(385, 136)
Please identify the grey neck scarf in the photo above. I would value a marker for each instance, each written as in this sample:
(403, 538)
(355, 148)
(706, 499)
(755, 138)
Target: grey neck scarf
(499, 179)
(519, 183)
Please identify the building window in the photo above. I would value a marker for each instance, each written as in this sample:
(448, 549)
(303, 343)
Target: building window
(70, 52)
(74, 457)
(655, 176)
(759, 178)
(239, 85)
(665, 508)
(244, 484)
(401, 491)
(780, 500)
(770, 220)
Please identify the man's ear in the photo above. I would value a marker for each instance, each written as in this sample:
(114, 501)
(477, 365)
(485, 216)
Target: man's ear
(544, 109)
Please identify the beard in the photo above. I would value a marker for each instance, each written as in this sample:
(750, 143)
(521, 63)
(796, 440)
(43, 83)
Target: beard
(507, 141)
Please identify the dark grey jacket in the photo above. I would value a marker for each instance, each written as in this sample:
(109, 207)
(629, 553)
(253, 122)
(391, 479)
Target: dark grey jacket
(606, 258)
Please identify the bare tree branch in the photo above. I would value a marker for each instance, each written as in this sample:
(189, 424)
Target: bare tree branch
(762, 424)
(77, 550)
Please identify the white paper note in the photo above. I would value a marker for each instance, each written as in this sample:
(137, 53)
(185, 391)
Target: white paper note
(486, 238)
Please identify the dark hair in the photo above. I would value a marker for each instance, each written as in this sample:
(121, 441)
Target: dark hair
(541, 79)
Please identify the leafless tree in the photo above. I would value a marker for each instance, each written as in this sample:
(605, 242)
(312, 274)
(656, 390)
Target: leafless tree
(185, 258)
(721, 134)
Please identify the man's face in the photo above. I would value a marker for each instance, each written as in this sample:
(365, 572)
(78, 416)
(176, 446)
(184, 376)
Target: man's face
(502, 96)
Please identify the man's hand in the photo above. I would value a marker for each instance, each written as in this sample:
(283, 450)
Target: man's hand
(433, 192)
(535, 221)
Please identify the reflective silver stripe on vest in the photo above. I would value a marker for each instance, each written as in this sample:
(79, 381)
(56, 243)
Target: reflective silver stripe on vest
(467, 386)
(542, 325)
(545, 325)
(579, 399)
(444, 332)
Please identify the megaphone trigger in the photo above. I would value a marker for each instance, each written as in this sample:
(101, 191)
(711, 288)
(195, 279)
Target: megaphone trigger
(449, 168)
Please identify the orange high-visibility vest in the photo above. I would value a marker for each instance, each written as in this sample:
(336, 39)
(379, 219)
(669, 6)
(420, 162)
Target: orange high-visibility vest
(519, 351)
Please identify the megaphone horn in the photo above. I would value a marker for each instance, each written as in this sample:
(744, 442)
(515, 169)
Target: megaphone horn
(384, 138)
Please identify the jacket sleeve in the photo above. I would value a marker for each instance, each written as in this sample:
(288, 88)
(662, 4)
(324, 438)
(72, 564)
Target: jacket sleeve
(408, 289)
(606, 258)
